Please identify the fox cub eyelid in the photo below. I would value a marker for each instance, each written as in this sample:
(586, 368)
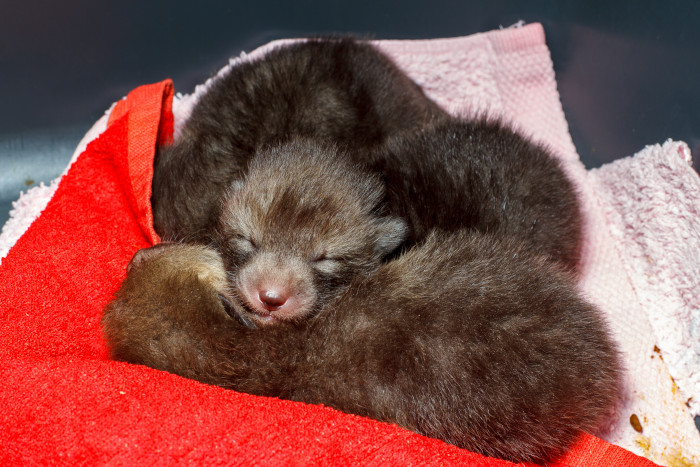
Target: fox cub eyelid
(324, 257)
(320, 257)
(242, 240)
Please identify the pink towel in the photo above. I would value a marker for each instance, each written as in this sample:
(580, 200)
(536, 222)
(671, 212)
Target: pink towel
(642, 231)
(643, 269)
(641, 257)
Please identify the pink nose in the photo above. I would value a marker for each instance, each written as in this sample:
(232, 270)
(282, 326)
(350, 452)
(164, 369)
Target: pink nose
(272, 299)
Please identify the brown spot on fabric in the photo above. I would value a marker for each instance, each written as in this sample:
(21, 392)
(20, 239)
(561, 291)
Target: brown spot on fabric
(636, 424)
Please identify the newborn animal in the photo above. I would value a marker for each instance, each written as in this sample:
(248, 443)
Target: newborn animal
(481, 174)
(340, 89)
(467, 337)
(440, 172)
(298, 227)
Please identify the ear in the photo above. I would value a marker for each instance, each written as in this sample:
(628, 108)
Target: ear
(145, 254)
(391, 232)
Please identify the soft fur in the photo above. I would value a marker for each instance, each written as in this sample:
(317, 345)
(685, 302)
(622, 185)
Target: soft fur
(440, 172)
(301, 224)
(341, 89)
(467, 338)
(480, 174)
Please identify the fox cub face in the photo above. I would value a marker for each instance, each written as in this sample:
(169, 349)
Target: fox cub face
(298, 228)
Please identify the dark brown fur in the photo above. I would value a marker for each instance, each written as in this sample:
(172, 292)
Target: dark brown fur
(480, 174)
(440, 172)
(467, 338)
(338, 89)
(299, 226)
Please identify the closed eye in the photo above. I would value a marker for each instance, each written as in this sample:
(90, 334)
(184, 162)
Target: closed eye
(241, 242)
(319, 257)
(327, 265)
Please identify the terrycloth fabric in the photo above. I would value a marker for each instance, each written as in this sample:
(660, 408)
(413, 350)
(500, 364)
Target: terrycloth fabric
(61, 398)
(647, 216)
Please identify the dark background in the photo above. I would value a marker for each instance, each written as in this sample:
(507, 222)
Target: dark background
(627, 71)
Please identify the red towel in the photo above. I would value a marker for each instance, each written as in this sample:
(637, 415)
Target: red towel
(62, 400)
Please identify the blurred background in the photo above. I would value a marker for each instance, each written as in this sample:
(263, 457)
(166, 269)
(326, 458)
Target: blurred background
(627, 71)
